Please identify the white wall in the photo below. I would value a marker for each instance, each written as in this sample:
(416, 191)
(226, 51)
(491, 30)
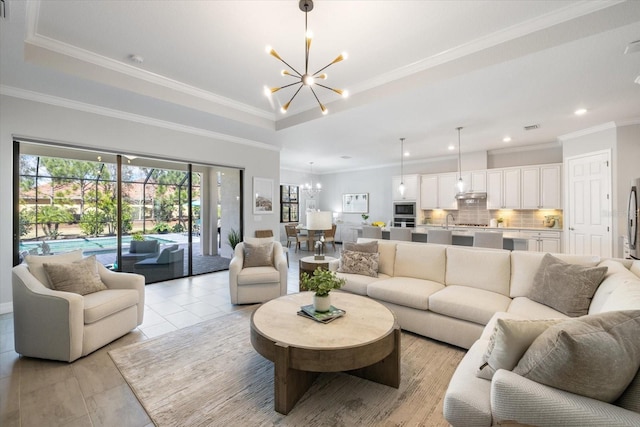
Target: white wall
(29, 119)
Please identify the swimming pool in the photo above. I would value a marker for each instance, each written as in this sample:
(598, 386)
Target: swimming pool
(89, 245)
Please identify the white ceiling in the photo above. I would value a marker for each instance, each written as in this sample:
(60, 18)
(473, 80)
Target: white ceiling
(416, 69)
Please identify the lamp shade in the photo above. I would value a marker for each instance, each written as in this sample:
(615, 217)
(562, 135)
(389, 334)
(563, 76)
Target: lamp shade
(319, 220)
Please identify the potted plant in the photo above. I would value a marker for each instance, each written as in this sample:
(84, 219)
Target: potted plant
(233, 238)
(321, 282)
(365, 217)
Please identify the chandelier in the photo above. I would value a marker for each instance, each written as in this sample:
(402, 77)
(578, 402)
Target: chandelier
(307, 79)
(310, 189)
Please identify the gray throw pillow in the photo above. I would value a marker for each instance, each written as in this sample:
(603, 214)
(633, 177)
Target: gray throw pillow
(630, 399)
(595, 356)
(80, 277)
(359, 263)
(258, 255)
(368, 247)
(565, 287)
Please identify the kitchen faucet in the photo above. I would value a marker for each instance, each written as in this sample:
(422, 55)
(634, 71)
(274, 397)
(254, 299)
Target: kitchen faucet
(446, 220)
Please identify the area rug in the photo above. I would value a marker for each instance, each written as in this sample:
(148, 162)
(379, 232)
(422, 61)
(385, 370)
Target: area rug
(210, 375)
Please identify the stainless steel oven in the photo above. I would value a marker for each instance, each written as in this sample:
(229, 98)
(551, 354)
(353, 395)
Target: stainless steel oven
(404, 209)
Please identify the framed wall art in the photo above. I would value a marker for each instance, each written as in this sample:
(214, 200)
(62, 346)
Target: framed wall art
(355, 203)
(262, 195)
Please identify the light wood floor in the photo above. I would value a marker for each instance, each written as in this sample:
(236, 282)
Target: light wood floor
(91, 391)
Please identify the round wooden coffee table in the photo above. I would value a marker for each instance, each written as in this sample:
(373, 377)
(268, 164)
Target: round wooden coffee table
(364, 342)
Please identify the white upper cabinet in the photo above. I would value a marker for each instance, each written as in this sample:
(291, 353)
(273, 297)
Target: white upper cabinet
(503, 188)
(429, 192)
(411, 184)
(438, 191)
(475, 181)
(541, 187)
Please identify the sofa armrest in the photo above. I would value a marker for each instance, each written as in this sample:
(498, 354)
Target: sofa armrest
(47, 323)
(280, 262)
(334, 265)
(515, 398)
(118, 280)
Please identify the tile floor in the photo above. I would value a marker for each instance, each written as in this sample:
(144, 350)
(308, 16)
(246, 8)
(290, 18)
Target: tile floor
(91, 391)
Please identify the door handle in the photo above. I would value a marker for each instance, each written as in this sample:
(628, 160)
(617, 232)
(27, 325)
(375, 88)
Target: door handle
(571, 228)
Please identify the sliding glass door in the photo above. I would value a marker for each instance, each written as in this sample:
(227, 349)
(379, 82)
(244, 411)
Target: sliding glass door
(162, 219)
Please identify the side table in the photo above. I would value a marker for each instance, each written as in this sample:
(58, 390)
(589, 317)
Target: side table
(308, 265)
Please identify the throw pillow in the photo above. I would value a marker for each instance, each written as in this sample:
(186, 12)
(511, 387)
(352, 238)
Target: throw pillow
(565, 287)
(80, 277)
(36, 268)
(630, 399)
(258, 255)
(368, 247)
(359, 263)
(595, 356)
(510, 340)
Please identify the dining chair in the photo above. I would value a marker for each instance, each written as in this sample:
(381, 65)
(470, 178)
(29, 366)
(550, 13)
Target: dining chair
(371, 232)
(400, 233)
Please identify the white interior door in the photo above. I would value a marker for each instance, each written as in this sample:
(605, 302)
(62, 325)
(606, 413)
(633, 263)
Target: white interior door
(589, 204)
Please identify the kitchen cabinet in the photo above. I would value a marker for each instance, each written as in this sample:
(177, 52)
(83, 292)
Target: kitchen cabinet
(503, 188)
(543, 241)
(438, 191)
(475, 181)
(411, 184)
(541, 187)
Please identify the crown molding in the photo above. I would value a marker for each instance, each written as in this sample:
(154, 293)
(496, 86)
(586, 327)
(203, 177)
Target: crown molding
(540, 23)
(588, 131)
(62, 48)
(122, 115)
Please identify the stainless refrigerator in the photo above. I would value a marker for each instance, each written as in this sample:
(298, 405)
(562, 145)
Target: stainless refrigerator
(633, 232)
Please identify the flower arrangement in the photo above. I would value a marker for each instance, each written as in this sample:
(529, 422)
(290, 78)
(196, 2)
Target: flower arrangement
(378, 224)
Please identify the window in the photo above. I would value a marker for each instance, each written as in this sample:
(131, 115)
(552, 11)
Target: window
(289, 203)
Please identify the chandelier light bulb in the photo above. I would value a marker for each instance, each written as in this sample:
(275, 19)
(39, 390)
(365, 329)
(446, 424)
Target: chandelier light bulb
(307, 80)
(324, 109)
(308, 35)
(267, 91)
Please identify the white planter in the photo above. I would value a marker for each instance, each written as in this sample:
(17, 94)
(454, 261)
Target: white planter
(321, 304)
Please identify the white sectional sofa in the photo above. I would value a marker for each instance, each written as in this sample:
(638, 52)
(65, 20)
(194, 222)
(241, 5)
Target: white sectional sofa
(456, 294)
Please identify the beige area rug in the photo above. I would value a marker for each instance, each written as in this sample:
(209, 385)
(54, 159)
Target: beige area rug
(210, 375)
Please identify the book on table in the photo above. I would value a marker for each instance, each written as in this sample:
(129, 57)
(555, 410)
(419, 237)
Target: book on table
(322, 317)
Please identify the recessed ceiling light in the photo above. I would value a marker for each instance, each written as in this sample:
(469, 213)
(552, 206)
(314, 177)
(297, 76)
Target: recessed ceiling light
(506, 139)
(407, 154)
(451, 147)
(345, 157)
(580, 111)
(136, 59)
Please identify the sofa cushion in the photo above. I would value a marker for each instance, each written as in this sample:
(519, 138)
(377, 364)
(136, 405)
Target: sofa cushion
(359, 263)
(35, 263)
(630, 399)
(626, 296)
(568, 288)
(357, 283)
(524, 266)
(483, 269)
(369, 247)
(616, 275)
(595, 356)
(405, 291)
(509, 341)
(530, 309)
(257, 255)
(99, 305)
(420, 261)
(465, 303)
(80, 277)
(258, 275)
(635, 267)
(143, 246)
(387, 251)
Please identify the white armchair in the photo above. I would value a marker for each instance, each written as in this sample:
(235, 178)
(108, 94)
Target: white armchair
(57, 325)
(248, 285)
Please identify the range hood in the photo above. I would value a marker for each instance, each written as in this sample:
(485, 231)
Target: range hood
(471, 195)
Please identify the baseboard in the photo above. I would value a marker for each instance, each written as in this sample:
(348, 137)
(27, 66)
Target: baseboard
(6, 307)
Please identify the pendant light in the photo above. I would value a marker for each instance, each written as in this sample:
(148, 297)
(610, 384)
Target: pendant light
(460, 183)
(401, 187)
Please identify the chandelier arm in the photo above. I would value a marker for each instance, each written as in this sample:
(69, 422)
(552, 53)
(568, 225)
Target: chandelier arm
(289, 85)
(290, 67)
(307, 42)
(294, 95)
(326, 87)
(323, 68)
(322, 107)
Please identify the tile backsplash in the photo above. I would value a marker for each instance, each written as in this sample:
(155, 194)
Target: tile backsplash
(477, 213)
